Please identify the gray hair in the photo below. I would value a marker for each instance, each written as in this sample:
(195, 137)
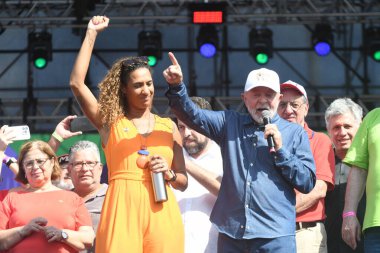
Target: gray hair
(342, 106)
(84, 145)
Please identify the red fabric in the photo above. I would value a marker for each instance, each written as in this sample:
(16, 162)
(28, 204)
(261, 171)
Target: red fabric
(62, 209)
(3, 193)
(324, 158)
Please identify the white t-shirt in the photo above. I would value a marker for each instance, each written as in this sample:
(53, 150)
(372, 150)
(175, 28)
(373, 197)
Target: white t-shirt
(196, 203)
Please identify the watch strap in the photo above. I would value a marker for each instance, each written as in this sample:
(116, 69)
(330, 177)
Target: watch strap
(174, 178)
(10, 161)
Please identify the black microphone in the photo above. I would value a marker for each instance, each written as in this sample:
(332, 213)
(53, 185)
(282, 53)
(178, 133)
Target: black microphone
(267, 120)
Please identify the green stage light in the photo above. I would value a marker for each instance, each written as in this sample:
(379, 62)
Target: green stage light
(150, 45)
(372, 42)
(152, 60)
(262, 58)
(40, 62)
(40, 49)
(261, 45)
(376, 55)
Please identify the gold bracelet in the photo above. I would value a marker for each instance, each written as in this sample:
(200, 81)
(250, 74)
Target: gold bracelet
(57, 136)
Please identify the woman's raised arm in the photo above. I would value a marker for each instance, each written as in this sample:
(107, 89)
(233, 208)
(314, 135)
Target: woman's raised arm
(83, 94)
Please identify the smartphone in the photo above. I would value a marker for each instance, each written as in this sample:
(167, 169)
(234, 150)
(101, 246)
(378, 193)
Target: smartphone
(21, 132)
(81, 124)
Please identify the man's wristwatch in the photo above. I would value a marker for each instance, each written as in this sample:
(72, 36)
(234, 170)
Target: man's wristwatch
(10, 161)
(64, 235)
(174, 176)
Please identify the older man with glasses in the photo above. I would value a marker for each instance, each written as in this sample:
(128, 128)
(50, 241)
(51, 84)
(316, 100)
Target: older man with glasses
(310, 208)
(85, 170)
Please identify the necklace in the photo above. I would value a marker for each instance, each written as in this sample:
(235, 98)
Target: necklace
(142, 159)
(143, 135)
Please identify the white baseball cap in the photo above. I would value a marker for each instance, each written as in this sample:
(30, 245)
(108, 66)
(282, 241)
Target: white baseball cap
(263, 78)
(295, 86)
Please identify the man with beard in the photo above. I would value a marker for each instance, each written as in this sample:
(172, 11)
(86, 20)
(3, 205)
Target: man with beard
(204, 167)
(254, 211)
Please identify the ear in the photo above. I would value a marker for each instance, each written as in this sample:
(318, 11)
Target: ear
(306, 109)
(124, 89)
(69, 168)
(242, 95)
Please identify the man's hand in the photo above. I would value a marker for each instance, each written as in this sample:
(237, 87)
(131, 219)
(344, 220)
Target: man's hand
(98, 23)
(173, 74)
(351, 231)
(271, 129)
(63, 128)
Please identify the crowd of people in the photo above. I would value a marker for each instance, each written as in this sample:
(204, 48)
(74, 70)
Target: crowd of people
(260, 181)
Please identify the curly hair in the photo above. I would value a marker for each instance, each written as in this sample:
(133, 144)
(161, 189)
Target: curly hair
(112, 102)
(43, 147)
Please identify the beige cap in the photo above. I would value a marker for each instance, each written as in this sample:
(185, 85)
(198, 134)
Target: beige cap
(263, 78)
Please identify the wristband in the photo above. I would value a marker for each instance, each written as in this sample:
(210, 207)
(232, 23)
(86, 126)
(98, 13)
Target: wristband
(348, 214)
(10, 161)
(57, 136)
(5, 159)
(174, 176)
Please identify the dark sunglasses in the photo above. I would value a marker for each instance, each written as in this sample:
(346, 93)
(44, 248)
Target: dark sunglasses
(133, 62)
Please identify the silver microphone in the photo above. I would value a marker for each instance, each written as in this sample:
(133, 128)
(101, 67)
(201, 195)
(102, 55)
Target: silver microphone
(267, 120)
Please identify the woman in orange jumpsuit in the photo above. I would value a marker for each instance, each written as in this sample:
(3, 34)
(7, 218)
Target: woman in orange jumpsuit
(131, 220)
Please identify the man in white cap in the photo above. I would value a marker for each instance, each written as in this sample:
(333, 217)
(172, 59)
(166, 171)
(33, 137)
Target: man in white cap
(254, 211)
(310, 208)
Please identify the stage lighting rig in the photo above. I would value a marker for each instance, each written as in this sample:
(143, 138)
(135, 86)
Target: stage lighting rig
(150, 45)
(261, 45)
(40, 49)
(207, 41)
(207, 13)
(322, 39)
(372, 42)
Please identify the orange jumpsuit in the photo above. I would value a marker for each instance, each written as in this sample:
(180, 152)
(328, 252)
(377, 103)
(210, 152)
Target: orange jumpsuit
(131, 221)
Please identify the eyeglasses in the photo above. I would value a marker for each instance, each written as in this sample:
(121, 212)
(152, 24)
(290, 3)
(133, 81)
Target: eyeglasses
(133, 62)
(29, 165)
(294, 105)
(79, 165)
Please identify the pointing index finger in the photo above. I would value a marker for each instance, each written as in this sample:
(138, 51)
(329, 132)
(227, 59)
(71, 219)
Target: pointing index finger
(173, 59)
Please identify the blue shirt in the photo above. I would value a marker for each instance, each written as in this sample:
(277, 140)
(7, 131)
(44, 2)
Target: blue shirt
(256, 198)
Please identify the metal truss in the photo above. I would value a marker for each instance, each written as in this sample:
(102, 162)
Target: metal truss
(43, 114)
(71, 13)
(48, 112)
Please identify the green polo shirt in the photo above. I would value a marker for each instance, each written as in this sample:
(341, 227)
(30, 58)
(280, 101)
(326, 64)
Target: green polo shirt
(365, 154)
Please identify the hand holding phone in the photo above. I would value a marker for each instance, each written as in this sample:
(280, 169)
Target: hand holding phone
(20, 132)
(81, 124)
